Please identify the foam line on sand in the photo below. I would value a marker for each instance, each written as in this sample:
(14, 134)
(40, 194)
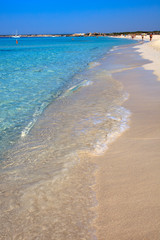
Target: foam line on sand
(128, 180)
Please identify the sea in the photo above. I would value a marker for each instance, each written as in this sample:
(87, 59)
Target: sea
(60, 107)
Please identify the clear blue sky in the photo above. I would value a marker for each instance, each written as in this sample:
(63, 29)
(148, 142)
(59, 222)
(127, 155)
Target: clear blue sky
(50, 16)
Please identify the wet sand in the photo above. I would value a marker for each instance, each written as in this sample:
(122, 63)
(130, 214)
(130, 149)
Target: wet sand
(128, 179)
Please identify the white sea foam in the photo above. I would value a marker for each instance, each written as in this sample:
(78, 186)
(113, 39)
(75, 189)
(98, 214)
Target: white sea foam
(28, 128)
(93, 64)
(36, 114)
(75, 88)
(87, 83)
(121, 117)
(113, 48)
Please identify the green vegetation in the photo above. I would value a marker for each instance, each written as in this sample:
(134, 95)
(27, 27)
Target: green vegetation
(130, 33)
(95, 34)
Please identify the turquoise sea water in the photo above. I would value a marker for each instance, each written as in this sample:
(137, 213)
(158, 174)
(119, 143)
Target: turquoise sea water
(35, 72)
(60, 107)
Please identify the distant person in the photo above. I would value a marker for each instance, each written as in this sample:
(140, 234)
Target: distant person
(151, 36)
(142, 37)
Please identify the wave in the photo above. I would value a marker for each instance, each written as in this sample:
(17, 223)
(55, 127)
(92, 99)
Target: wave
(121, 118)
(36, 115)
(93, 64)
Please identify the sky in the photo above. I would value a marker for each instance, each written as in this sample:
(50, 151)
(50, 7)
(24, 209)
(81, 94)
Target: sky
(72, 16)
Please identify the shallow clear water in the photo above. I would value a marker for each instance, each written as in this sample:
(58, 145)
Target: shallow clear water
(36, 71)
(60, 107)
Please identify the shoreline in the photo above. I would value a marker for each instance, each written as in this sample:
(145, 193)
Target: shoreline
(151, 51)
(36, 202)
(138, 37)
(127, 182)
(48, 176)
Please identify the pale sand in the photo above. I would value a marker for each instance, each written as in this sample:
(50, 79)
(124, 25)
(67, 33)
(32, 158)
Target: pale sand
(138, 37)
(128, 180)
(151, 51)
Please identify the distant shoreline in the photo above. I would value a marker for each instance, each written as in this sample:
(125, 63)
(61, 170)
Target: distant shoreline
(58, 35)
(95, 34)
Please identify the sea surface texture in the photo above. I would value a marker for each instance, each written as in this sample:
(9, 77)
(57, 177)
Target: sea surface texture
(59, 106)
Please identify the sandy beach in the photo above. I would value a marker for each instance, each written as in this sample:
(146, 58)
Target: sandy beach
(128, 179)
(88, 167)
(151, 51)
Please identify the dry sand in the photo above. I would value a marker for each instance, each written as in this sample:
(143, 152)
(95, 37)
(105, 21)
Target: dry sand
(138, 37)
(128, 180)
(151, 51)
